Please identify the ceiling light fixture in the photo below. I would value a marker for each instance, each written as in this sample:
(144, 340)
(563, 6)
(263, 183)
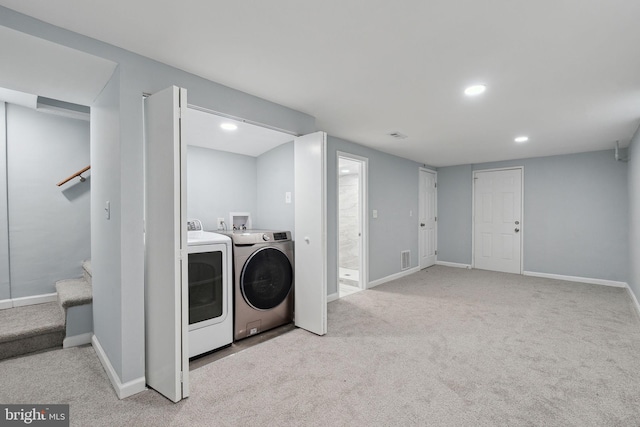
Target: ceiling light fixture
(521, 139)
(229, 126)
(475, 90)
(344, 170)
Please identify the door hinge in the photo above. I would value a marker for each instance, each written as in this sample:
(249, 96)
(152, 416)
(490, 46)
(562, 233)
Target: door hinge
(436, 219)
(436, 252)
(435, 184)
(181, 376)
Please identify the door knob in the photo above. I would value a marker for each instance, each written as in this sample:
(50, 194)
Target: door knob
(422, 224)
(517, 230)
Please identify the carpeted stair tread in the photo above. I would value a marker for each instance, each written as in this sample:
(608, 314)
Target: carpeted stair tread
(30, 321)
(73, 292)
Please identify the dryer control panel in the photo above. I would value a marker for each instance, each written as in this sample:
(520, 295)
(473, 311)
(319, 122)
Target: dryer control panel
(251, 237)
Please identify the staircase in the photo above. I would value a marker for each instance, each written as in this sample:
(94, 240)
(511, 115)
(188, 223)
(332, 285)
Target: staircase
(75, 296)
(65, 323)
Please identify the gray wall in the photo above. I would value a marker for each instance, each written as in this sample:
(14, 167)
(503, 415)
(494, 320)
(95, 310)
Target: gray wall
(634, 214)
(393, 191)
(49, 229)
(275, 177)
(5, 290)
(105, 233)
(119, 325)
(575, 214)
(219, 182)
(454, 214)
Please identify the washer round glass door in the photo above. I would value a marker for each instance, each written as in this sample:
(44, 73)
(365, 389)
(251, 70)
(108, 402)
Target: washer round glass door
(267, 278)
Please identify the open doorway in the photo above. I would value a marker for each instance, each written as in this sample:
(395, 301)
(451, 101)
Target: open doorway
(352, 254)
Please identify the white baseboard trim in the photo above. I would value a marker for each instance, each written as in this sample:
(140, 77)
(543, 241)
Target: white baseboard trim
(454, 264)
(76, 340)
(634, 299)
(332, 297)
(391, 277)
(577, 279)
(122, 390)
(31, 300)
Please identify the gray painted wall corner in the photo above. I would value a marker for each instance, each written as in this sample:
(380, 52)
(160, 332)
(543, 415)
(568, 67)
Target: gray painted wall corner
(5, 289)
(393, 192)
(454, 214)
(105, 233)
(275, 177)
(42, 149)
(634, 213)
(575, 214)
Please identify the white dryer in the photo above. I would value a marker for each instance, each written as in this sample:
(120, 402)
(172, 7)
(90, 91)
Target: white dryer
(210, 290)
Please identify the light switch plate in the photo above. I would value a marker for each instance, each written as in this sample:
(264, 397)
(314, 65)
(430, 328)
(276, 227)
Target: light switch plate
(375, 213)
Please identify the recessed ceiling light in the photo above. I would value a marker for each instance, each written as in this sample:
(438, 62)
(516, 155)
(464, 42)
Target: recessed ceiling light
(475, 90)
(344, 170)
(521, 139)
(229, 126)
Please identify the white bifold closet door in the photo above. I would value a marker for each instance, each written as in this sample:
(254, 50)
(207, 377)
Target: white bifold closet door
(310, 155)
(166, 291)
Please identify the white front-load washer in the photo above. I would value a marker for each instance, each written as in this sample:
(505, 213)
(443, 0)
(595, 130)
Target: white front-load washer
(210, 290)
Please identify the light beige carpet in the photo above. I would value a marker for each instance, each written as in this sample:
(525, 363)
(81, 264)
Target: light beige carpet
(443, 347)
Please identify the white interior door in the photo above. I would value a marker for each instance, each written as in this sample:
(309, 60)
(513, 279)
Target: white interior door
(166, 293)
(498, 220)
(427, 218)
(310, 153)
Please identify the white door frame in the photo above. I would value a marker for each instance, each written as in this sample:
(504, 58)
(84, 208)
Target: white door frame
(363, 195)
(473, 212)
(435, 174)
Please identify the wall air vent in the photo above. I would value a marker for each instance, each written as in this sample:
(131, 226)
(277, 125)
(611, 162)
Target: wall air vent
(398, 135)
(405, 260)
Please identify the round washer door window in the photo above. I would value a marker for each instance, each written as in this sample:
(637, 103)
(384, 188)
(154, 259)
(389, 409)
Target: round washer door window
(267, 278)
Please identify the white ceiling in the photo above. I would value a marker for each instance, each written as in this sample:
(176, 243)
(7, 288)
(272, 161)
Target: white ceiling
(566, 73)
(203, 129)
(35, 66)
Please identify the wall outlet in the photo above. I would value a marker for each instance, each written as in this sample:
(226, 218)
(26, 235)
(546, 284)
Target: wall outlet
(287, 197)
(220, 223)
